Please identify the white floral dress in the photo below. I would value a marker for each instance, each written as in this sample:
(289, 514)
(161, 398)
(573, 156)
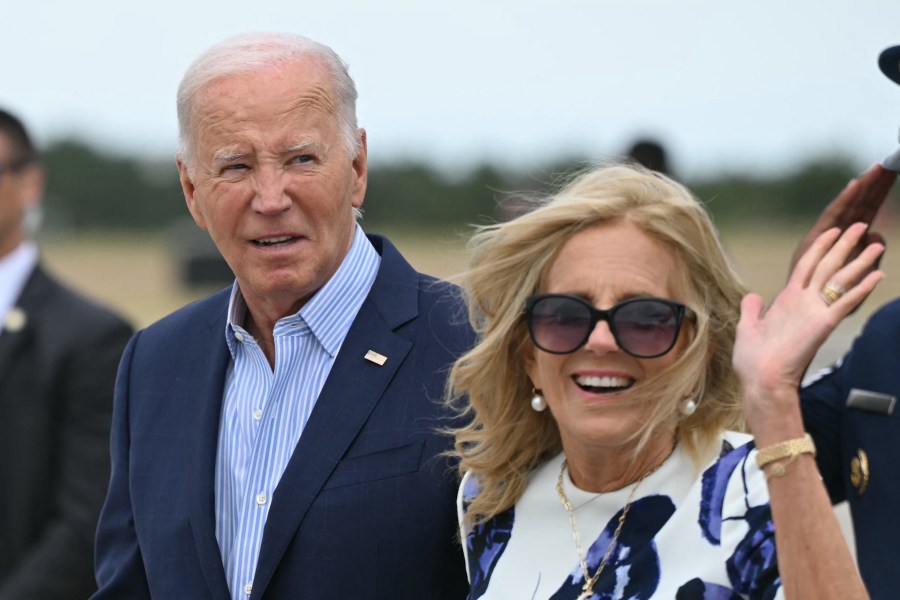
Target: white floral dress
(687, 535)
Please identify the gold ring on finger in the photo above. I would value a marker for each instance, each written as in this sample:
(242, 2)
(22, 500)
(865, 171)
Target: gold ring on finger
(832, 292)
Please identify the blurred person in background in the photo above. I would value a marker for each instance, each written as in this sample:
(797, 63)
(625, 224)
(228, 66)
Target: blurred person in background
(58, 358)
(650, 153)
(279, 439)
(850, 408)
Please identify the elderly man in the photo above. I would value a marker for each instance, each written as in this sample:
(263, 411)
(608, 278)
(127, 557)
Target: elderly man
(280, 439)
(851, 409)
(58, 359)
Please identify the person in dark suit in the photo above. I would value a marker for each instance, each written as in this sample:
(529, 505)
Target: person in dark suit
(280, 439)
(850, 408)
(58, 359)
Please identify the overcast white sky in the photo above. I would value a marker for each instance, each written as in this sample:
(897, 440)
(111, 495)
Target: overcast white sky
(755, 85)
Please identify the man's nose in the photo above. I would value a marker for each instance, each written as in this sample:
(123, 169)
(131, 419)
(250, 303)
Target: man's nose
(270, 193)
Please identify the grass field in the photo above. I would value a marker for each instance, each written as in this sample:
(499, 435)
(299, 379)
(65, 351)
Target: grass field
(138, 274)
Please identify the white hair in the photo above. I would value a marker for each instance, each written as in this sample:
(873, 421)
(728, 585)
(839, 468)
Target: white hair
(251, 52)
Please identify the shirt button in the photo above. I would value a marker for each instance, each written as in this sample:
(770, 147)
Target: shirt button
(257, 414)
(248, 589)
(239, 337)
(261, 498)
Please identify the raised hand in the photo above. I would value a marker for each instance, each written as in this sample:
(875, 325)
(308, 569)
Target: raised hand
(774, 345)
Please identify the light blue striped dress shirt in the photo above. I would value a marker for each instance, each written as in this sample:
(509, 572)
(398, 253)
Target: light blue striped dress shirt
(264, 411)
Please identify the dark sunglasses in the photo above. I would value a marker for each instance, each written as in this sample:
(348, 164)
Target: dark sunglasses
(642, 327)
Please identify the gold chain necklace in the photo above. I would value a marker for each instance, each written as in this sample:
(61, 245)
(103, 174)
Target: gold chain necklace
(587, 590)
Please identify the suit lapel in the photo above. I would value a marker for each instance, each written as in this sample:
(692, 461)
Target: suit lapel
(353, 389)
(29, 304)
(11, 344)
(208, 377)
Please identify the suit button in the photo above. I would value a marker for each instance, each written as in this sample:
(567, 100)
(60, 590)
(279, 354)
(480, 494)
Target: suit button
(859, 471)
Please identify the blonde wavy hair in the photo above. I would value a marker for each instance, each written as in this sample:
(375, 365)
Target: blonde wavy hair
(505, 439)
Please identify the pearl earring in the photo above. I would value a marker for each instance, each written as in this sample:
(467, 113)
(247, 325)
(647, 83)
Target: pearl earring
(538, 404)
(688, 407)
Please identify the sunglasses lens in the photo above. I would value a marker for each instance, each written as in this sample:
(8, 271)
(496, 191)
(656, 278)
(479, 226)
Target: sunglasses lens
(646, 328)
(559, 324)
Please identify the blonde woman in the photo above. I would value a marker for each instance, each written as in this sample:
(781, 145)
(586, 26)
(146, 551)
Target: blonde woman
(600, 459)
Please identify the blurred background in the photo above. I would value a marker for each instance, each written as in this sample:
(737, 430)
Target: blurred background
(764, 110)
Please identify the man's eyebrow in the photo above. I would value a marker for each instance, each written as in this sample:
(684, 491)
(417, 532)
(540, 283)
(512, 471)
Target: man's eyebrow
(300, 146)
(227, 156)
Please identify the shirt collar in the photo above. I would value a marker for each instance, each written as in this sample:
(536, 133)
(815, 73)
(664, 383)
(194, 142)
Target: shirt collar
(331, 311)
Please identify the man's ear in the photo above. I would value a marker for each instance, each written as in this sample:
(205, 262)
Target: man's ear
(360, 169)
(187, 186)
(32, 189)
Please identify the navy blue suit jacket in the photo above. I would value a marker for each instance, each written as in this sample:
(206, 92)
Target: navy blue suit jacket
(841, 431)
(366, 505)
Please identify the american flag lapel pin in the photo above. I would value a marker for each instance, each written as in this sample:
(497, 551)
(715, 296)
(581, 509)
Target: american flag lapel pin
(378, 359)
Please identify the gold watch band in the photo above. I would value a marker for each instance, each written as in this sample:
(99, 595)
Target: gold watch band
(787, 449)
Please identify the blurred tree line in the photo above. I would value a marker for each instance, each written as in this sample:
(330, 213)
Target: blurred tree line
(90, 189)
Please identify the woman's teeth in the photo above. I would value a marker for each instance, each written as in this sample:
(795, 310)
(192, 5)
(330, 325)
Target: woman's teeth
(603, 383)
